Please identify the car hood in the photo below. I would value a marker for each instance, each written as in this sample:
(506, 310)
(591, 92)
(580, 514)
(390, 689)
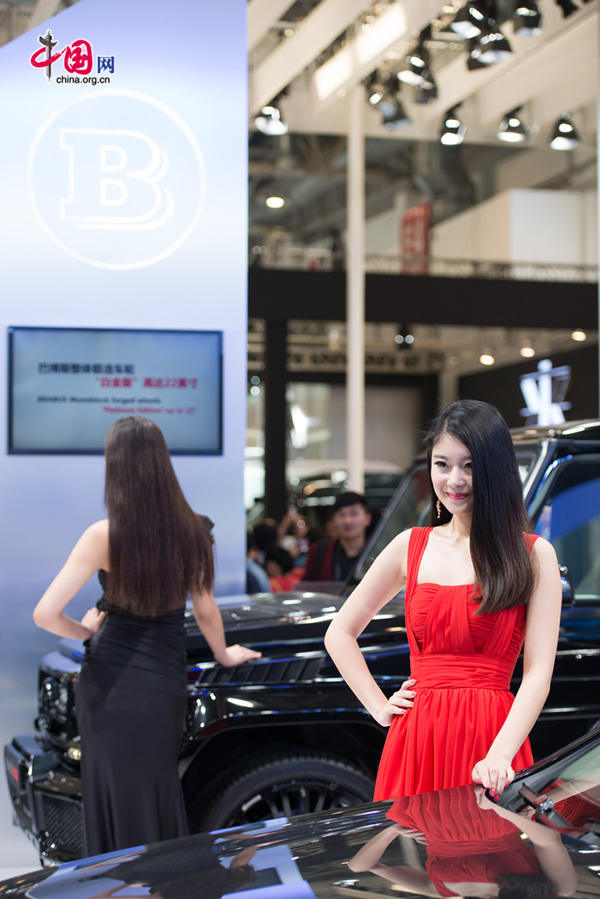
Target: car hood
(273, 623)
(455, 836)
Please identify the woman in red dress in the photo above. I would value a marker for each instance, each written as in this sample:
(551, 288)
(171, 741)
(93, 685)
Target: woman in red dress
(477, 588)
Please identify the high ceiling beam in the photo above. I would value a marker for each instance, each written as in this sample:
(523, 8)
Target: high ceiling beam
(43, 9)
(262, 15)
(364, 53)
(327, 21)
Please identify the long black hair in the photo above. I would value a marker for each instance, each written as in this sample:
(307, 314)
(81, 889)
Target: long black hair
(498, 550)
(159, 548)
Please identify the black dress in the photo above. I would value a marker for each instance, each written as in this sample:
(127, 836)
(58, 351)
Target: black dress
(130, 705)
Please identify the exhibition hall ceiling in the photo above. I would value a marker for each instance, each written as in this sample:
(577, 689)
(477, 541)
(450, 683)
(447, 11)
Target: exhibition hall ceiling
(307, 57)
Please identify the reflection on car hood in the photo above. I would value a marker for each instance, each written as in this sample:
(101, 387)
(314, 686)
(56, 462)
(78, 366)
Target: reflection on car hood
(262, 609)
(436, 840)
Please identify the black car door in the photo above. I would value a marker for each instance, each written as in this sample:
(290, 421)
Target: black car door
(566, 511)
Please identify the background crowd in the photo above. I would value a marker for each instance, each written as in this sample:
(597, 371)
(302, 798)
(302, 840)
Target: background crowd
(282, 554)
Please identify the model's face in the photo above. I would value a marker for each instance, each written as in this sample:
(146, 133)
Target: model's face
(351, 521)
(451, 475)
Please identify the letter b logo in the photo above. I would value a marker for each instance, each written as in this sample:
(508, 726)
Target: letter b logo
(110, 195)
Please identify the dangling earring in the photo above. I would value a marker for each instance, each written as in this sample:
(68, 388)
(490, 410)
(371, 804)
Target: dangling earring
(438, 507)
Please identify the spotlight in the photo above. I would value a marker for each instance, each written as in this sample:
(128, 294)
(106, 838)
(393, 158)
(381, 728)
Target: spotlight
(404, 337)
(395, 116)
(275, 202)
(527, 19)
(578, 335)
(486, 359)
(382, 94)
(564, 134)
(493, 46)
(474, 55)
(418, 71)
(427, 93)
(469, 21)
(452, 131)
(512, 130)
(269, 121)
(567, 7)
(527, 351)
(375, 89)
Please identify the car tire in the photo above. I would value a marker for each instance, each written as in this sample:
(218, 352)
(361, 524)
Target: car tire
(281, 786)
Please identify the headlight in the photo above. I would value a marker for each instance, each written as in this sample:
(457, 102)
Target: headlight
(53, 699)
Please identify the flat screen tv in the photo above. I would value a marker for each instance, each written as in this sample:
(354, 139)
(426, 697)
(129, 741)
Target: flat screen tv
(68, 385)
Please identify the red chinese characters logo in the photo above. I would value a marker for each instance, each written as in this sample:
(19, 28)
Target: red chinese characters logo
(78, 56)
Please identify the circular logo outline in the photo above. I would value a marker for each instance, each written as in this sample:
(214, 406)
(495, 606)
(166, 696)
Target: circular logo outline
(179, 122)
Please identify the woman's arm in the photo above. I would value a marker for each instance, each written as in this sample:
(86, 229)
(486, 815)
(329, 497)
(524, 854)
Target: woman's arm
(384, 579)
(209, 620)
(541, 637)
(89, 554)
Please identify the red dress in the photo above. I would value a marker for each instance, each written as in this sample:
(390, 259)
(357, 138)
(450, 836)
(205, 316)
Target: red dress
(465, 844)
(462, 664)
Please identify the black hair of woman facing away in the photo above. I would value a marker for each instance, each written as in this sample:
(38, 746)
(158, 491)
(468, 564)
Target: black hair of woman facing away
(478, 587)
(130, 696)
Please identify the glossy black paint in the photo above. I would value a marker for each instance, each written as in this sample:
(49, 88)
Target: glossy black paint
(368, 849)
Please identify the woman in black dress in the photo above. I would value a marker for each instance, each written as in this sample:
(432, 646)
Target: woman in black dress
(152, 551)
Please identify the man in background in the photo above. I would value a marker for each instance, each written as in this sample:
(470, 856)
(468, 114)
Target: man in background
(335, 559)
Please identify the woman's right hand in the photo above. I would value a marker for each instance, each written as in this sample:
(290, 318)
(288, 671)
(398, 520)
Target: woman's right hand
(93, 619)
(399, 703)
(237, 655)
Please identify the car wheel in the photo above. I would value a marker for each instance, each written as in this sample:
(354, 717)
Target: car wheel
(281, 786)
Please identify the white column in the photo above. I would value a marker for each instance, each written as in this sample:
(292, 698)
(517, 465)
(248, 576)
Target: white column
(447, 387)
(355, 293)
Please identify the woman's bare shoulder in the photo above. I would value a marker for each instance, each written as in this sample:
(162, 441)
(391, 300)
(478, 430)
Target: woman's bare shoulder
(94, 542)
(97, 531)
(397, 548)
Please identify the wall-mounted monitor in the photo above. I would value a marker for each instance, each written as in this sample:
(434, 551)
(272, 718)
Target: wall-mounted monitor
(68, 385)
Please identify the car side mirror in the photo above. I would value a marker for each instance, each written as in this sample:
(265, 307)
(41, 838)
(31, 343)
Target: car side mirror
(568, 594)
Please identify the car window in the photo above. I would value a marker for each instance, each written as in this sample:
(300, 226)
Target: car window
(410, 509)
(570, 520)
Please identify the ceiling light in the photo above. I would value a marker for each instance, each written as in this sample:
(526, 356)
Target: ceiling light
(527, 351)
(493, 46)
(275, 202)
(417, 71)
(567, 7)
(452, 131)
(382, 94)
(404, 337)
(527, 19)
(375, 89)
(512, 130)
(269, 121)
(427, 93)
(469, 21)
(486, 359)
(578, 335)
(564, 134)
(474, 55)
(396, 117)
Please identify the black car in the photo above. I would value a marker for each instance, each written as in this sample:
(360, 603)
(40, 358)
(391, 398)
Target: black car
(542, 838)
(284, 735)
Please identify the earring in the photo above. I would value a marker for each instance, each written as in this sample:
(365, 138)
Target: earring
(438, 507)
